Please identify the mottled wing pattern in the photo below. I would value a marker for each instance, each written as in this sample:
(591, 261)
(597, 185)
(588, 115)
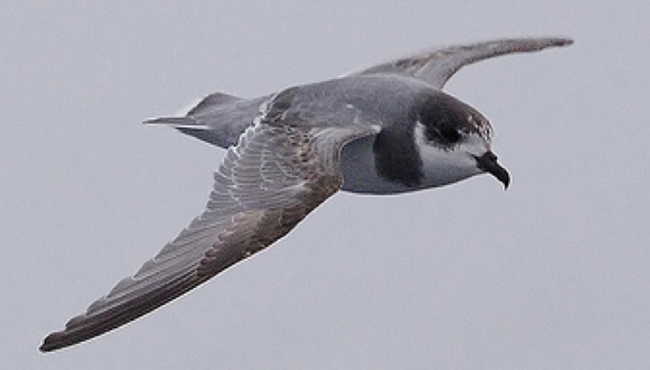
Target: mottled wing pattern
(269, 182)
(436, 67)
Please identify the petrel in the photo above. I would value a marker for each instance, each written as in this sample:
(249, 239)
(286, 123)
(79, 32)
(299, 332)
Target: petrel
(387, 129)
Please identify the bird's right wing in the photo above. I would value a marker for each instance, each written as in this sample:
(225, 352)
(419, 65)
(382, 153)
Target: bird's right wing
(437, 66)
(276, 175)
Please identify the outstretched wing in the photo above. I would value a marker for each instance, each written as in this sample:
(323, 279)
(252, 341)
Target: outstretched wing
(437, 66)
(269, 182)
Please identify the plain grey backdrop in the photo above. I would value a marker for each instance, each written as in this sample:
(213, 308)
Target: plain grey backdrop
(552, 274)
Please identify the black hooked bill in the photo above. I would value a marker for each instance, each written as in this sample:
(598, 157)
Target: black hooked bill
(488, 163)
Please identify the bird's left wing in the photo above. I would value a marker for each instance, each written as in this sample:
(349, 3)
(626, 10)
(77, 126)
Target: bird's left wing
(437, 66)
(280, 170)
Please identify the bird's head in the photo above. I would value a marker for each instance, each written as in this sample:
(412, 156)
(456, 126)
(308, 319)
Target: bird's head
(454, 141)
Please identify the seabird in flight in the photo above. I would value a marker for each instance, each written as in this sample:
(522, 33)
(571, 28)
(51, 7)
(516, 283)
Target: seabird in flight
(387, 129)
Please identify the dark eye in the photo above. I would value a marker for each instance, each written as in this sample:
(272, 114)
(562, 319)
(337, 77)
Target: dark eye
(443, 133)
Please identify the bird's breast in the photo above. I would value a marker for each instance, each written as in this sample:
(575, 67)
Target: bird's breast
(360, 170)
(370, 167)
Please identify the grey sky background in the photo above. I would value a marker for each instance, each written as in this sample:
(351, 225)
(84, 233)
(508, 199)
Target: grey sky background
(552, 274)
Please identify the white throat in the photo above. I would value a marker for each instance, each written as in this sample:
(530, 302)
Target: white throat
(445, 166)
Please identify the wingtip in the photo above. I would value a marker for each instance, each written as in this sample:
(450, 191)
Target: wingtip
(562, 41)
(558, 41)
(53, 342)
(540, 43)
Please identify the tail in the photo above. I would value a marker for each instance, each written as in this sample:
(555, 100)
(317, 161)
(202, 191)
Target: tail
(177, 123)
(204, 120)
(203, 107)
(212, 101)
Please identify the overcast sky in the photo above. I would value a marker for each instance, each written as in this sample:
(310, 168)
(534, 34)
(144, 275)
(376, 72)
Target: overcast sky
(552, 274)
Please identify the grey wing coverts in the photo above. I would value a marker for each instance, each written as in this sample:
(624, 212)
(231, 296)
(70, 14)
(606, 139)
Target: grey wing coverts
(268, 183)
